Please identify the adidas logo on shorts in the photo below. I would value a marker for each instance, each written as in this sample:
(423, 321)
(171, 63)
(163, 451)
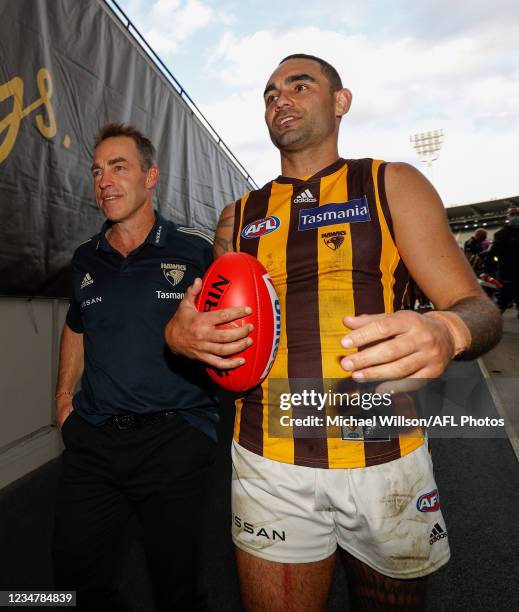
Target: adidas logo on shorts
(436, 534)
(306, 196)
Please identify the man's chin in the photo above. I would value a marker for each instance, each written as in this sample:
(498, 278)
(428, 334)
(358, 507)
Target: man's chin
(111, 213)
(289, 141)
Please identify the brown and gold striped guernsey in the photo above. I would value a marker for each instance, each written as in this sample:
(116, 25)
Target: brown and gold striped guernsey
(327, 243)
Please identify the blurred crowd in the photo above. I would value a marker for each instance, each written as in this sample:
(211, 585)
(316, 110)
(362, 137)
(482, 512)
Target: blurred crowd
(496, 262)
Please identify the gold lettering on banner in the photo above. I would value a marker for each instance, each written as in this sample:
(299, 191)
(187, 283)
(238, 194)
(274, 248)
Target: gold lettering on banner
(11, 122)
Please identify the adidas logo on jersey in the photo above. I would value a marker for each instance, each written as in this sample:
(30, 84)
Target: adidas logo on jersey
(306, 196)
(87, 280)
(436, 534)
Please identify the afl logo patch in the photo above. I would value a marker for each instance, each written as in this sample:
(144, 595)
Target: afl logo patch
(261, 227)
(428, 502)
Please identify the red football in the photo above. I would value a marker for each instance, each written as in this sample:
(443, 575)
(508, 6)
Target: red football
(238, 279)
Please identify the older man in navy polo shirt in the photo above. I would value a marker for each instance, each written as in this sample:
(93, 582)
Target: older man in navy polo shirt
(140, 435)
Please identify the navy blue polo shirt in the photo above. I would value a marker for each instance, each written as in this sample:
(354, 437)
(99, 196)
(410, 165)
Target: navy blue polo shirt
(122, 305)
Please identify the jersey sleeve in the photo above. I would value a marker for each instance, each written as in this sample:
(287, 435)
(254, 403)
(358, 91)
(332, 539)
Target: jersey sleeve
(73, 319)
(207, 256)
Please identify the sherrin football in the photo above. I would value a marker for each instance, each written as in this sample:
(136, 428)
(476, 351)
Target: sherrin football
(238, 279)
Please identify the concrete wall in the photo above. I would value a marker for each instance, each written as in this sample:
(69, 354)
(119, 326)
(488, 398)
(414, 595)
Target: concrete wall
(30, 331)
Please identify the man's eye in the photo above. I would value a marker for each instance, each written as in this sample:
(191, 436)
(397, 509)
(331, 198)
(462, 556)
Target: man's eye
(271, 99)
(96, 173)
(119, 168)
(301, 87)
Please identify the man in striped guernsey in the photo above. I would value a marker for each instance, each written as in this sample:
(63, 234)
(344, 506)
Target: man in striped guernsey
(338, 238)
(331, 254)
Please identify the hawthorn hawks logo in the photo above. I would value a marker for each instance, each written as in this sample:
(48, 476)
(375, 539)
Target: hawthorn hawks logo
(174, 273)
(334, 240)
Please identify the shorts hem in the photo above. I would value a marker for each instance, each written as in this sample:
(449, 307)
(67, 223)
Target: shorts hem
(261, 554)
(408, 574)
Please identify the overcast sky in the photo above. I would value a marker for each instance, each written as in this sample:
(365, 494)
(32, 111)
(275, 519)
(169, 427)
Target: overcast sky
(412, 65)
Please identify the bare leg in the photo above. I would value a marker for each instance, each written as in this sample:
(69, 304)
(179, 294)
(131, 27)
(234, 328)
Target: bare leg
(372, 591)
(284, 587)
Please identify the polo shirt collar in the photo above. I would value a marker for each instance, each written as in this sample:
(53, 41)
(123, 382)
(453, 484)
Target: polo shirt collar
(159, 231)
(157, 236)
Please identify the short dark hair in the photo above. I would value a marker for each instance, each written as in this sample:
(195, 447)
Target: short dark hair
(327, 69)
(145, 148)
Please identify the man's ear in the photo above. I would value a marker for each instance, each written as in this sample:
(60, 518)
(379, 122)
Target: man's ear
(343, 99)
(152, 176)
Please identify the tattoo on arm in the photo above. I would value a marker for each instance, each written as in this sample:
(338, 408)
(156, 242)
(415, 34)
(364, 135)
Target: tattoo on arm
(221, 246)
(484, 322)
(224, 231)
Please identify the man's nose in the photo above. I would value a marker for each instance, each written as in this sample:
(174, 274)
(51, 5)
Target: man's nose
(283, 100)
(104, 181)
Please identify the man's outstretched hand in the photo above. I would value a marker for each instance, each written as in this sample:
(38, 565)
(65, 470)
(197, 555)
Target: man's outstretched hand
(196, 335)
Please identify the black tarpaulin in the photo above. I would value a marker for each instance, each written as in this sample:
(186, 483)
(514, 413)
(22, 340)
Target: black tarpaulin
(66, 68)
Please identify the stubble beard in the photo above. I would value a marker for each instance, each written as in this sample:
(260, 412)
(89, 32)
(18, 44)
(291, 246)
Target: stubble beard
(292, 140)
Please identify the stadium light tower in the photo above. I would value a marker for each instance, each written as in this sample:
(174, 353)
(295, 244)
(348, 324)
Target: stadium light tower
(427, 145)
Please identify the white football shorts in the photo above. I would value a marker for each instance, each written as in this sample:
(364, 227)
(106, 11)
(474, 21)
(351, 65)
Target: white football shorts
(387, 515)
